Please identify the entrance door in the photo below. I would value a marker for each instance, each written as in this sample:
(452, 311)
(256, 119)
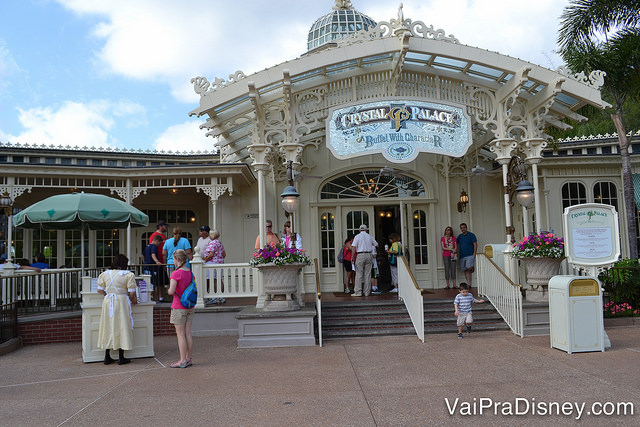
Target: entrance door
(354, 217)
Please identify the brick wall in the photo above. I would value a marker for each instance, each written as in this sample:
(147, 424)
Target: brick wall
(69, 328)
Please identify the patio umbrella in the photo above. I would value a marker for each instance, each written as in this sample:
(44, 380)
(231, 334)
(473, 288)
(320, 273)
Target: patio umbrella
(77, 210)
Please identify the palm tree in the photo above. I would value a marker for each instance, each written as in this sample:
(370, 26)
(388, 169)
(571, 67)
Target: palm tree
(605, 35)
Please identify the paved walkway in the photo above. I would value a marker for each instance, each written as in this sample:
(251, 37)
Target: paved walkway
(359, 382)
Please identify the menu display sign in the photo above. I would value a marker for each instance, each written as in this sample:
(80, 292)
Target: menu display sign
(591, 234)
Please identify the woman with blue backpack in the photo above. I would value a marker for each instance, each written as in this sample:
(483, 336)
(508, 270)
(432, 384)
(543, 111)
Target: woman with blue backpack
(181, 316)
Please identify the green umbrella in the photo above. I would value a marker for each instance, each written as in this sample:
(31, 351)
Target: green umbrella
(74, 211)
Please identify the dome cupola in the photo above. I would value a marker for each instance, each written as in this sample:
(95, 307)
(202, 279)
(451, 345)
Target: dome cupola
(342, 21)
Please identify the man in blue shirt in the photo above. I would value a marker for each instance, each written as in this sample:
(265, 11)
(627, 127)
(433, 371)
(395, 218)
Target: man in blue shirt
(468, 246)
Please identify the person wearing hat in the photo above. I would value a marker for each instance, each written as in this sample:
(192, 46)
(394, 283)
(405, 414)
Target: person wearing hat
(204, 239)
(362, 249)
(161, 230)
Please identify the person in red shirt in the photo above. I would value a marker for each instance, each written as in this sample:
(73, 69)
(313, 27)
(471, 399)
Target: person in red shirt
(161, 230)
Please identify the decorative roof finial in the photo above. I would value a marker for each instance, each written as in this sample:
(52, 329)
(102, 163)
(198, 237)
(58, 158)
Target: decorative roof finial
(343, 5)
(400, 13)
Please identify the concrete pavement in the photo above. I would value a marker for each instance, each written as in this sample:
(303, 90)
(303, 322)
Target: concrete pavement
(387, 381)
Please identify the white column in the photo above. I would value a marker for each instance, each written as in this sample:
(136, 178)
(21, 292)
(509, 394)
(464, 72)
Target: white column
(536, 196)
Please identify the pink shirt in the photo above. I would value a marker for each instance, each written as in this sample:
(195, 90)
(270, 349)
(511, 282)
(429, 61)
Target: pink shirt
(184, 279)
(217, 249)
(448, 241)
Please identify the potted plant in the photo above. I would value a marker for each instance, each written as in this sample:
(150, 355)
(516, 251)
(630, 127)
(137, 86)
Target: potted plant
(279, 267)
(542, 255)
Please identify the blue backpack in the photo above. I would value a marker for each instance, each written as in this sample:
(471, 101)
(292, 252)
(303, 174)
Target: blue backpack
(189, 296)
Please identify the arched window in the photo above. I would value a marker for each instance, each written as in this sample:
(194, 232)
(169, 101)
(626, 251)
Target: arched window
(372, 184)
(573, 193)
(605, 192)
(420, 247)
(327, 240)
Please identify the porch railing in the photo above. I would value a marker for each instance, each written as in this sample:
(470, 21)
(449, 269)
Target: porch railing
(50, 290)
(411, 295)
(318, 301)
(505, 295)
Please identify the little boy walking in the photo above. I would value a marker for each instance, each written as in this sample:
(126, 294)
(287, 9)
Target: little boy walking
(462, 303)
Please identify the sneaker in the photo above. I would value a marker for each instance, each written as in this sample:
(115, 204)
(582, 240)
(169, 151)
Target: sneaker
(356, 295)
(394, 291)
(212, 301)
(347, 291)
(468, 329)
(222, 300)
(160, 299)
(460, 336)
(376, 291)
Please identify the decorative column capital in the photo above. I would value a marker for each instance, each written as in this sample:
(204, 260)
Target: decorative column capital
(503, 148)
(532, 149)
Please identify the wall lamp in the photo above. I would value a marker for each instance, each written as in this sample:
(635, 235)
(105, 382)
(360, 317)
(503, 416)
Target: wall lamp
(464, 200)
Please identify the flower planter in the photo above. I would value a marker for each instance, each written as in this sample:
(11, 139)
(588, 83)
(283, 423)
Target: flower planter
(539, 271)
(280, 283)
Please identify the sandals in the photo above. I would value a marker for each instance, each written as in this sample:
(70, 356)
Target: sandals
(189, 362)
(180, 364)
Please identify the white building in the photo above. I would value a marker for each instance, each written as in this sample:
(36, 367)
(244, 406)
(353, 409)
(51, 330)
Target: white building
(386, 124)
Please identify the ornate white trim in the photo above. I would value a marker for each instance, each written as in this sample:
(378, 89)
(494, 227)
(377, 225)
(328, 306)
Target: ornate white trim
(594, 80)
(214, 191)
(14, 191)
(396, 27)
(201, 85)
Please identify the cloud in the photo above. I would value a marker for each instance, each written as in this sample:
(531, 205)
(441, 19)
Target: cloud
(74, 124)
(172, 42)
(184, 138)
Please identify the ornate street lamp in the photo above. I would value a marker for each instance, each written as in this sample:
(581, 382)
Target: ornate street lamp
(524, 193)
(524, 196)
(290, 195)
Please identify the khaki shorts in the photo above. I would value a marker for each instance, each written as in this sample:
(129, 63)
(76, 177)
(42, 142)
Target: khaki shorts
(464, 318)
(180, 316)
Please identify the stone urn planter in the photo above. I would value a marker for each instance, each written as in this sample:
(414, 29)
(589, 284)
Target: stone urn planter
(539, 271)
(280, 283)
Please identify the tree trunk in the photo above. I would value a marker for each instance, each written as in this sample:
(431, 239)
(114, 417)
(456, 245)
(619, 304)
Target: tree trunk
(627, 185)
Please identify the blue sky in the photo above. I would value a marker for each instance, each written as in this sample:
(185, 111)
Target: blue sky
(116, 73)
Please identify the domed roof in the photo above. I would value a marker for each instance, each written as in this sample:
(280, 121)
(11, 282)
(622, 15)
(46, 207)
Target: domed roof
(341, 22)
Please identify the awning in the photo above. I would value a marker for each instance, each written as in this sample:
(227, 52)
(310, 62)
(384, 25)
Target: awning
(636, 189)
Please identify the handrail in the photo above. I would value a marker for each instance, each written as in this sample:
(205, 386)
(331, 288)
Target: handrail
(411, 296)
(504, 294)
(318, 302)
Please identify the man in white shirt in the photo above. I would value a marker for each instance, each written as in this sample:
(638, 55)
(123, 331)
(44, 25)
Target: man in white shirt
(204, 239)
(362, 247)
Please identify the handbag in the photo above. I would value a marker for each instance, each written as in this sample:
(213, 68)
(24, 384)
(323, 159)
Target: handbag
(189, 296)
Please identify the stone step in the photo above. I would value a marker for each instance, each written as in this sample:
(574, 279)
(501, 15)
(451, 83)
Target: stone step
(361, 318)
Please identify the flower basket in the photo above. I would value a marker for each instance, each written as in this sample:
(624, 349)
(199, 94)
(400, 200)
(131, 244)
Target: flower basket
(542, 255)
(280, 268)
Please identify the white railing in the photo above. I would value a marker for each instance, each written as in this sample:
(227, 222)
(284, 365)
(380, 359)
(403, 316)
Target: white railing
(225, 280)
(505, 295)
(318, 301)
(411, 295)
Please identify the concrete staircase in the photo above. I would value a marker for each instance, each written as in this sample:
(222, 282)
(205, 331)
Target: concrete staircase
(362, 318)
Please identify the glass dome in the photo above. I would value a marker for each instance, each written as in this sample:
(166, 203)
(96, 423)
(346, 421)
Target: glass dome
(341, 22)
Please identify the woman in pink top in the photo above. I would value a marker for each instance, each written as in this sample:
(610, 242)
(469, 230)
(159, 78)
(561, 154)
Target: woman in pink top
(449, 251)
(181, 317)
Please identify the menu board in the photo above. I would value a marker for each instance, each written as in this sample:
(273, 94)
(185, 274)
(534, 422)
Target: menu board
(591, 234)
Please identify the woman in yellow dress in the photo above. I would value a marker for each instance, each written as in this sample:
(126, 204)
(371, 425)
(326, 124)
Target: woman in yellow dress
(116, 321)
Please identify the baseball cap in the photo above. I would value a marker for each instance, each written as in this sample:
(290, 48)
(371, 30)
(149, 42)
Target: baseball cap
(161, 223)
(363, 227)
(205, 228)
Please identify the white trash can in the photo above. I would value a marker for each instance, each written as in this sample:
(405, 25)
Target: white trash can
(575, 314)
